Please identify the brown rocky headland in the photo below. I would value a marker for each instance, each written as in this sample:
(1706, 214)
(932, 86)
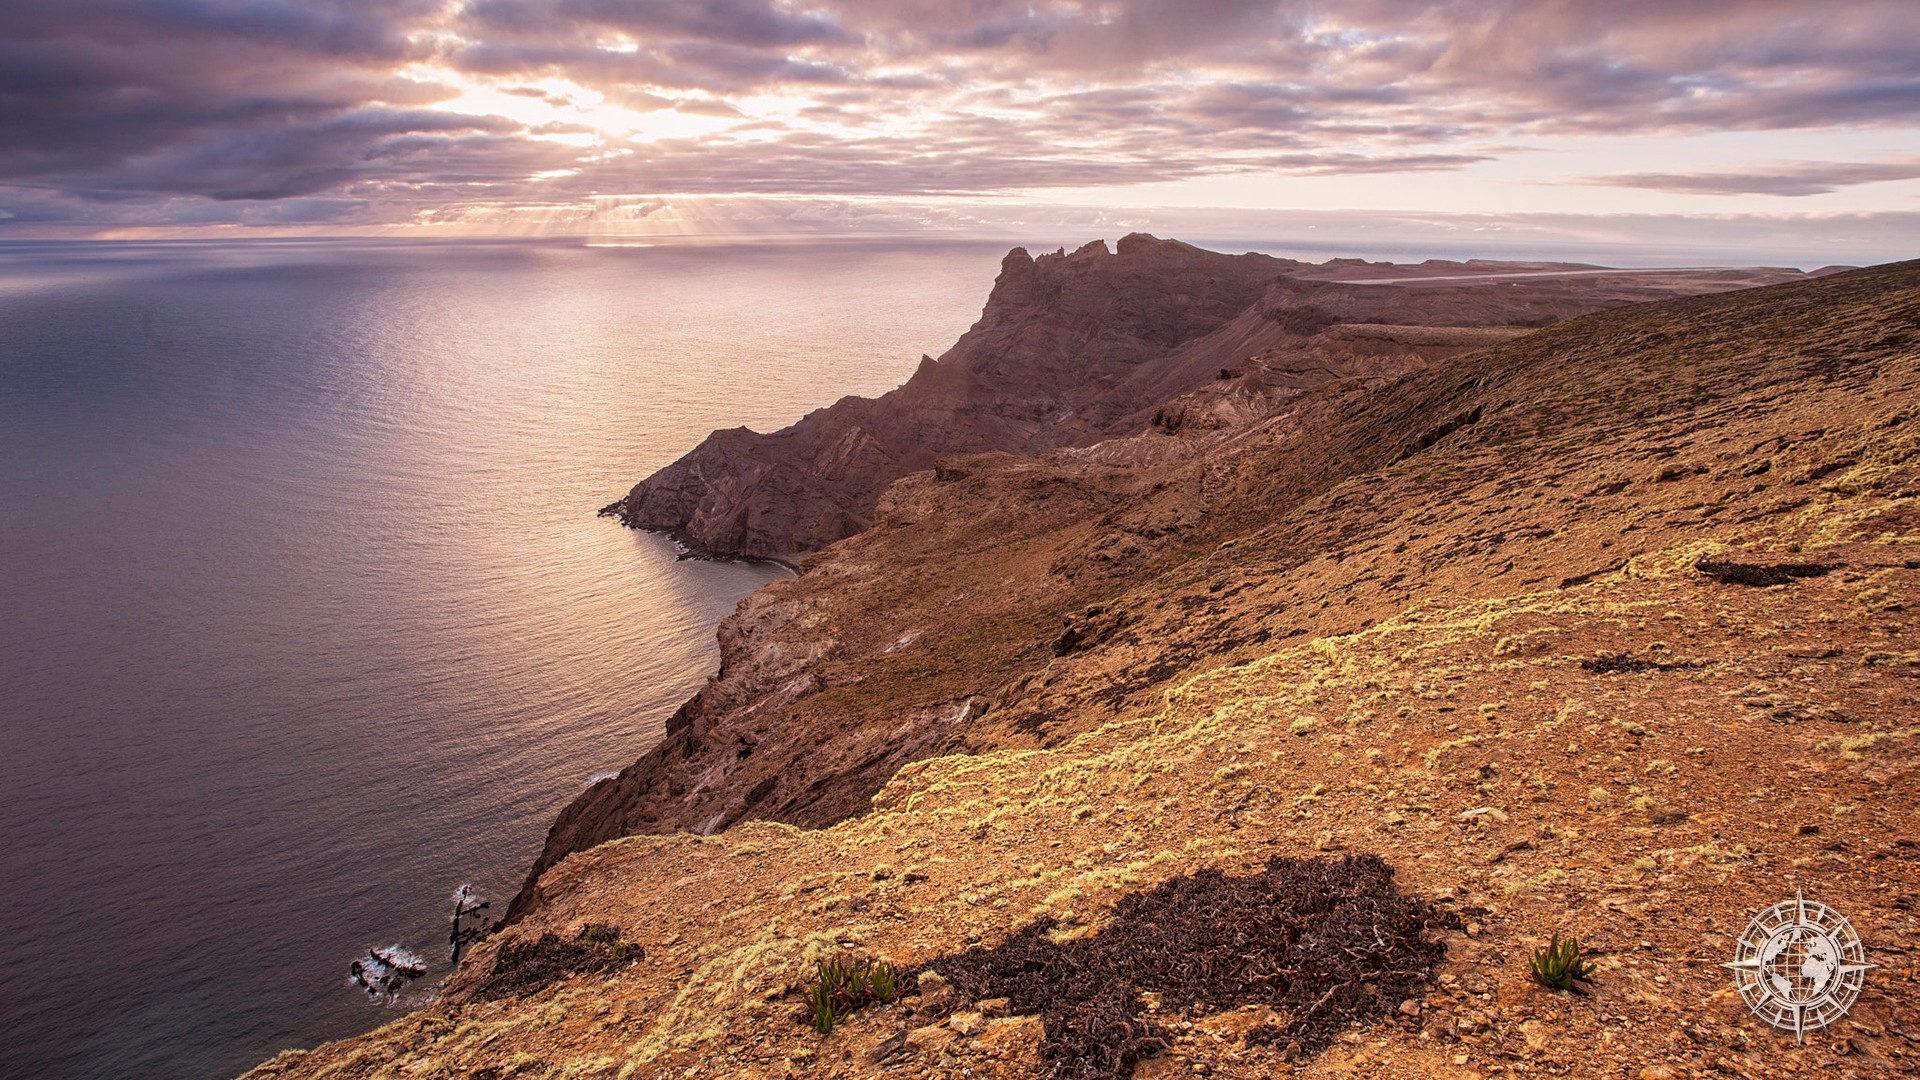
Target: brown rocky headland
(1073, 349)
(1581, 600)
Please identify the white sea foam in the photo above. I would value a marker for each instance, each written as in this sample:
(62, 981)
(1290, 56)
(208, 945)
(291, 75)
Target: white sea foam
(400, 958)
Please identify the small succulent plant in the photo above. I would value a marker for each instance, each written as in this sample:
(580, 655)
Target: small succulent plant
(1558, 965)
(844, 987)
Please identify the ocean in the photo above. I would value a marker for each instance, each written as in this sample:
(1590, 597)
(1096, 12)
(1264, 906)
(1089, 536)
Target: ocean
(306, 618)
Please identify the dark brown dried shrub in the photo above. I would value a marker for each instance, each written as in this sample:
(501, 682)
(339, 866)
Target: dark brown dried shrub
(1325, 941)
(1611, 663)
(1759, 575)
(526, 967)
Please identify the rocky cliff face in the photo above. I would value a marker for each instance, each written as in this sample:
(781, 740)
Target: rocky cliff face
(1059, 334)
(1072, 349)
(893, 645)
(1602, 629)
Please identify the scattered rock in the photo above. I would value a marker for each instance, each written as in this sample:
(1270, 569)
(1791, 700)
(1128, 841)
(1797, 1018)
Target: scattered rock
(888, 1048)
(930, 1038)
(1613, 663)
(967, 1023)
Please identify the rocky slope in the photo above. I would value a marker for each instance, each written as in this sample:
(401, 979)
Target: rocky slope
(1601, 629)
(1072, 349)
(782, 733)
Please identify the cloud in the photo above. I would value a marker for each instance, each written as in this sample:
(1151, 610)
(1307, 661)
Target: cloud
(238, 101)
(1795, 178)
(731, 22)
(90, 88)
(371, 148)
(1804, 240)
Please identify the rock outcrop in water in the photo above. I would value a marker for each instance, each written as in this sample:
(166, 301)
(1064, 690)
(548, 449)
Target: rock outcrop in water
(1602, 629)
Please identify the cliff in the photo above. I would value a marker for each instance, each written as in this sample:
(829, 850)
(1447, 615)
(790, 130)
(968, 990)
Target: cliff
(1058, 334)
(1071, 349)
(817, 703)
(1597, 629)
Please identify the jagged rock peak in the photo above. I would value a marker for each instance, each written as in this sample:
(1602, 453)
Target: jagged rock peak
(1045, 366)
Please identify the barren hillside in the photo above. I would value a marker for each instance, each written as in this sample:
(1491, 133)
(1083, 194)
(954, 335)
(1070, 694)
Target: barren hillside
(1075, 348)
(1600, 629)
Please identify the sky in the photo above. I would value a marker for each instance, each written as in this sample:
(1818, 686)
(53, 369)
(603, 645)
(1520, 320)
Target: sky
(1682, 126)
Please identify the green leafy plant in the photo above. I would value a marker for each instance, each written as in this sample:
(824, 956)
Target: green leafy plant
(820, 1007)
(843, 988)
(1558, 965)
(881, 981)
(619, 951)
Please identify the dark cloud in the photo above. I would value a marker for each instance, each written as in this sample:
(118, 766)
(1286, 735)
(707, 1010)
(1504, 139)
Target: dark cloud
(341, 29)
(732, 22)
(1355, 164)
(558, 100)
(1652, 65)
(734, 46)
(1799, 178)
(232, 102)
(1073, 37)
(255, 99)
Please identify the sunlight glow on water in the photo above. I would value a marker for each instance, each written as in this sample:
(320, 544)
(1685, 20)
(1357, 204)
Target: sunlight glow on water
(308, 617)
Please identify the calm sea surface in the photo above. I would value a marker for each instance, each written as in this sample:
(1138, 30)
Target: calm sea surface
(305, 616)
